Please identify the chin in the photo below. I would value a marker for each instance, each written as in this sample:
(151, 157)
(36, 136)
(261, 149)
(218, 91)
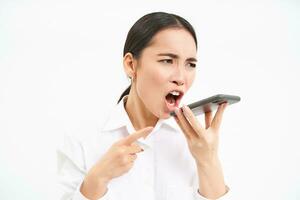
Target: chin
(164, 115)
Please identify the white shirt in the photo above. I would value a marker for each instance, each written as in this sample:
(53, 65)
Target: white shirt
(165, 170)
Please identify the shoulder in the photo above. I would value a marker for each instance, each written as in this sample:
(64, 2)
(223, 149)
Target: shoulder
(74, 138)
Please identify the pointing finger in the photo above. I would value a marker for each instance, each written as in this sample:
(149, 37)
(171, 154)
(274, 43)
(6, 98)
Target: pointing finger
(137, 135)
(134, 148)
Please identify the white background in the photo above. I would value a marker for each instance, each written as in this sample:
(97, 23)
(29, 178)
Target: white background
(61, 72)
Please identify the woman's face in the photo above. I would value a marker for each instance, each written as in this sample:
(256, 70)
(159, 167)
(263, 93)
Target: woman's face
(166, 66)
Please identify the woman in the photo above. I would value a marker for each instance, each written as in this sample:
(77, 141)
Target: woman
(140, 153)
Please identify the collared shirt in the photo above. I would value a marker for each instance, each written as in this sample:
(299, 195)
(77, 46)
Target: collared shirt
(165, 170)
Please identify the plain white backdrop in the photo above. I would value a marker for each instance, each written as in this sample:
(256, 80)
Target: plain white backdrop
(61, 72)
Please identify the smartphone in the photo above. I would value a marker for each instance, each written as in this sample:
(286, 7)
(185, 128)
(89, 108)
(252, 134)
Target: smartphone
(211, 103)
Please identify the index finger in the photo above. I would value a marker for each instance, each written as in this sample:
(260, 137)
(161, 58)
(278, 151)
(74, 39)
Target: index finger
(137, 135)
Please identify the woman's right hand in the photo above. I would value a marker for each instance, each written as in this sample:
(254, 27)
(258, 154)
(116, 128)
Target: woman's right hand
(118, 160)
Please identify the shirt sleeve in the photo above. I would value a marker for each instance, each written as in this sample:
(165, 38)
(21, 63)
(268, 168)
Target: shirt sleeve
(71, 170)
(226, 196)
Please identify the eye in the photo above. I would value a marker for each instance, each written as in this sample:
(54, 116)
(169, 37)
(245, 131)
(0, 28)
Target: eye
(167, 61)
(193, 65)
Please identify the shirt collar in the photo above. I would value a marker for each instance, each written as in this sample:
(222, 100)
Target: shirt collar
(118, 118)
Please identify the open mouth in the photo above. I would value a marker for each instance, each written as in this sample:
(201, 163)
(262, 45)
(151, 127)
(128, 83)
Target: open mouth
(173, 99)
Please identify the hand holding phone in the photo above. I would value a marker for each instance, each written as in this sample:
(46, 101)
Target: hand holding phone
(211, 103)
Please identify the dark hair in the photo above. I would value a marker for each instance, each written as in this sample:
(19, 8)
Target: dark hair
(141, 33)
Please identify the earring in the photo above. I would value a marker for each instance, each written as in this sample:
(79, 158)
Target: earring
(133, 77)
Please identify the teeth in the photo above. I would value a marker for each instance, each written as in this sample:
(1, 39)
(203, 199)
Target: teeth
(175, 93)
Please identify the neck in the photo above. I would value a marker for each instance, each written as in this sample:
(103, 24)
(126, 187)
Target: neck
(139, 115)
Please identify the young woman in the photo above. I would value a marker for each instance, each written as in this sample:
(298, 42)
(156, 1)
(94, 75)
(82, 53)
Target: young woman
(141, 152)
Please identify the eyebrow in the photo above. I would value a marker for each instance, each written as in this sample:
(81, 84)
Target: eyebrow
(192, 59)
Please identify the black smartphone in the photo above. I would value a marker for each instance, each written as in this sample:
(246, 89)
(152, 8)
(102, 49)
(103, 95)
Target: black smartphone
(211, 103)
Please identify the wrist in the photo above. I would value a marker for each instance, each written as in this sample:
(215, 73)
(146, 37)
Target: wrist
(97, 179)
(209, 163)
(211, 179)
(93, 188)
(98, 175)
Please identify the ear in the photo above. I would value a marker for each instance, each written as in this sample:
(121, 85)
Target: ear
(129, 64)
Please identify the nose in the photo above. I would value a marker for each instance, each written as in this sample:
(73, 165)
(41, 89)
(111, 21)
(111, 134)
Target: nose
(178, 76)
(179, 83)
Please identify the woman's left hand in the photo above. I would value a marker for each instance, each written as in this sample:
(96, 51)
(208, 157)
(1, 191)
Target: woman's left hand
(202, 142)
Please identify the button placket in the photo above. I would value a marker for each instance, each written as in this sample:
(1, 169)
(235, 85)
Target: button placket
(148, 170)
